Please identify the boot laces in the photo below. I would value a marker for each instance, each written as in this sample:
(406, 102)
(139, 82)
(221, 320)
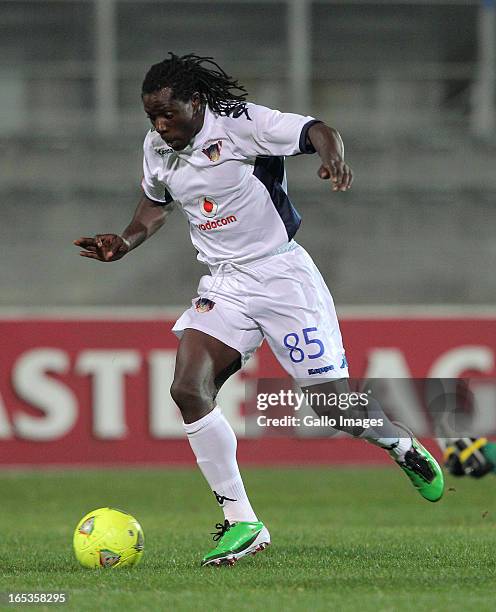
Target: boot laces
(222, 529)
(419, 464)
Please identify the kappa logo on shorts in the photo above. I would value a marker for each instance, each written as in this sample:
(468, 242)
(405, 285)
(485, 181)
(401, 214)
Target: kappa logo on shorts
(208, 206)
(327, 368)
(204, 305)
(213, 151)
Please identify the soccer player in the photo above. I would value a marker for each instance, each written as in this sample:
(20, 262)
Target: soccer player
(221, 160)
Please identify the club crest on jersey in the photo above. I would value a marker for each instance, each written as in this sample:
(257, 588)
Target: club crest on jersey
(204, 305)
(213, 151)
(208, 206)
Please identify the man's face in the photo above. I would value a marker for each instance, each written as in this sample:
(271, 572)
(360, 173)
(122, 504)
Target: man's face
(176, 121)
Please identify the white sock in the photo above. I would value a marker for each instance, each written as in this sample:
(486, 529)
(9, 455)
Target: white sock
(389, 436)
(396, 446)
(214, 444)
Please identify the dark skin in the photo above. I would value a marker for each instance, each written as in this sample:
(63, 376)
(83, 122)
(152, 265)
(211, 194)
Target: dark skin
(203, 363)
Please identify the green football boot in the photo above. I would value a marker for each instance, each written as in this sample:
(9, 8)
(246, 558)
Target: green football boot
(235, 541)
(423, 470)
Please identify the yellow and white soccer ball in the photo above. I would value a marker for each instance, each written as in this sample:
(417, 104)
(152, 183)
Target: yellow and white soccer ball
(108, 538)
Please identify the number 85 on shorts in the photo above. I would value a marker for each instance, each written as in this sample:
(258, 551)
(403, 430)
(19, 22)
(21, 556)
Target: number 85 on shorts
(313, 354)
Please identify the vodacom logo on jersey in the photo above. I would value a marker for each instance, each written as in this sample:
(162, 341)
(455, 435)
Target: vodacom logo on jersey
(208, 208)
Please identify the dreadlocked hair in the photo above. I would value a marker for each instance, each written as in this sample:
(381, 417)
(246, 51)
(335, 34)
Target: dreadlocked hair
(187, 74)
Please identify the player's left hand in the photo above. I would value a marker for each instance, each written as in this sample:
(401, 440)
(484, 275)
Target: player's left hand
(338, 172)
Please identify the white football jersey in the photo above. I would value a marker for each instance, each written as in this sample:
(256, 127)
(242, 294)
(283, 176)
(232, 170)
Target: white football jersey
(230, 181)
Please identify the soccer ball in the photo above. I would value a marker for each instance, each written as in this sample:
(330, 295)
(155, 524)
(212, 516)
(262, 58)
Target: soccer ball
(108, 538)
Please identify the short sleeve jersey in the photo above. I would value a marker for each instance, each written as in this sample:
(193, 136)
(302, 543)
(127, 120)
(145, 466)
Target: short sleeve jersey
(230, 181)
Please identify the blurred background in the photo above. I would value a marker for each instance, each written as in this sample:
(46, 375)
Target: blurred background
(410, 85)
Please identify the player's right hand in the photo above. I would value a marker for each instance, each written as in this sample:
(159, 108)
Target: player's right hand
(103, 247)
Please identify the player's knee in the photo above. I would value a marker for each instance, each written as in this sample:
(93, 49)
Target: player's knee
(190, 397)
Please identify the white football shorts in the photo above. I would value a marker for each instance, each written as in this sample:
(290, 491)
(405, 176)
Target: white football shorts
(281, 298)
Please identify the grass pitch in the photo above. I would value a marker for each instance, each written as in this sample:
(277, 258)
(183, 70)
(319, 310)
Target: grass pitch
(343, 539)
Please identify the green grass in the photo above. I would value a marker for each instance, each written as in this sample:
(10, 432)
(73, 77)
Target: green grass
(343, 539)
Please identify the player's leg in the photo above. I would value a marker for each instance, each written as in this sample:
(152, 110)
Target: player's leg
(203, 364)
(299, 321)
(415, 460)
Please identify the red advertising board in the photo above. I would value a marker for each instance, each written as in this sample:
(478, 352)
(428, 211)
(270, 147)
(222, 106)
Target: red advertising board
(83, 389)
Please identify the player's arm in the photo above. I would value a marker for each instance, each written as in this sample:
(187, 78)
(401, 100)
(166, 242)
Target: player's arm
(149, 217)
(328, 143)
(264, 131)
